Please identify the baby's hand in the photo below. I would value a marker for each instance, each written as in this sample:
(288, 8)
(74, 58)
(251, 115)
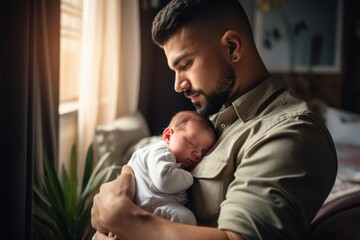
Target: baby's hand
(111, 235)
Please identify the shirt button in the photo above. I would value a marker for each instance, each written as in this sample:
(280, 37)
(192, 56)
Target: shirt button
(223, 125)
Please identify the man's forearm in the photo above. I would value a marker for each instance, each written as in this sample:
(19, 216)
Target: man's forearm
(114, 211)
(138, 224)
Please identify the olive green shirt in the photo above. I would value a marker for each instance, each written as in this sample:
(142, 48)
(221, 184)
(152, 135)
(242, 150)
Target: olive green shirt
(271, 169)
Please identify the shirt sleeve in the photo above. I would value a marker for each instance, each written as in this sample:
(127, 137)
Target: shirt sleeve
(280, 184)
(165, 175)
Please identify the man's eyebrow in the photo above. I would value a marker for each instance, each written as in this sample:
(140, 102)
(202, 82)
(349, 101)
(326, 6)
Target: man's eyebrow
(179, 58)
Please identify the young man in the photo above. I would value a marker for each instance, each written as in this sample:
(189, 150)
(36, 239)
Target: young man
(274, 163)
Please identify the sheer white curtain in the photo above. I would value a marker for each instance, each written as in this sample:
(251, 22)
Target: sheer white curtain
(110, 65)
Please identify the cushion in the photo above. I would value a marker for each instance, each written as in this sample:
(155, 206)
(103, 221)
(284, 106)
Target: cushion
(140, 144)
(344, 126)
(338, 219)
(116, 137)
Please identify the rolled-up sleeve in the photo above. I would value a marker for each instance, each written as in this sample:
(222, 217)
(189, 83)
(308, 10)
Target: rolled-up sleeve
(282, 180)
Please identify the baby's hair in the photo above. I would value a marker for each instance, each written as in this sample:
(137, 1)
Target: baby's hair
(180, 119)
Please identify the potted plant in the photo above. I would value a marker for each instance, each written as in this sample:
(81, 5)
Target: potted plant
(62, 205)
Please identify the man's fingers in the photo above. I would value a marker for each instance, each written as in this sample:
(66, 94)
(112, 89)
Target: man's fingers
(101, 236)
(94, 213)
(95, 216)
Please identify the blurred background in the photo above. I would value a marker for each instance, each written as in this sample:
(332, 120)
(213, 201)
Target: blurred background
(68, 66)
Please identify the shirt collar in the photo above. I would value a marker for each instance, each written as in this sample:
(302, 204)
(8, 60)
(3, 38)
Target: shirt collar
(247, 105)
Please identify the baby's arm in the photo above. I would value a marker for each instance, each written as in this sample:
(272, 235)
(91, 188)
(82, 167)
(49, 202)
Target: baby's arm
(167, 177)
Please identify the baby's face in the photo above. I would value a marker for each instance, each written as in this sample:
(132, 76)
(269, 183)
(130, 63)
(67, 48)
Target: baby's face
(190, 144)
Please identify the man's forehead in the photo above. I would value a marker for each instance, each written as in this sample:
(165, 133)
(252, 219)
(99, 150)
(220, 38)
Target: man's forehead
(176, 46)
(176, 40)
(182, 43)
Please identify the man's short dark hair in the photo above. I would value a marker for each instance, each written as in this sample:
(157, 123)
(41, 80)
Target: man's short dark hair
(179, 13)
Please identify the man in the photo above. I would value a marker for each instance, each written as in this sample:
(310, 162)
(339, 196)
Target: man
(274, 163)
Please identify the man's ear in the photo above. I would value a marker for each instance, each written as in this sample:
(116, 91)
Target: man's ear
(167, 134)
(232, 41)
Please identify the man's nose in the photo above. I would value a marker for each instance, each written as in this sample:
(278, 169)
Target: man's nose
(181, 83)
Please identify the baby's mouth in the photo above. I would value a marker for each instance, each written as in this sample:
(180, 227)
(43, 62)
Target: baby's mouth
(187, 163)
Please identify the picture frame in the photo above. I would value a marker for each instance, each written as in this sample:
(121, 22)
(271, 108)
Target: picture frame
(299, 36)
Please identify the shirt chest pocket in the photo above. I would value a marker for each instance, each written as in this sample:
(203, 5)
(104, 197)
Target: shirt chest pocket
(208, 190)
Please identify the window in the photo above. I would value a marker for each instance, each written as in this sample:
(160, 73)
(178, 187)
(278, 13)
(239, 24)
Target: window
(70, 48)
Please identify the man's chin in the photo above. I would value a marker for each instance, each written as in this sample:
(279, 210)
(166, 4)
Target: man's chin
(199, 109)
(208, 109)
(202, 110)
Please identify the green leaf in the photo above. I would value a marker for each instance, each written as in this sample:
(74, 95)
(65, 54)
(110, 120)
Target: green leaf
(45, 216)
(88, 167)
(84, 223)
(102, 176)
(62, 211)
(46, 220)
(52, 184)
(98, 167)
(57, 209)
(44, 230)
(40, 194)
(73, 179)
(65, 184)
(54, 191)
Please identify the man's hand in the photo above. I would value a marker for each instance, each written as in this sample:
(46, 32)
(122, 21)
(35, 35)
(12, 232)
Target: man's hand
(114, 211)
(112, 201)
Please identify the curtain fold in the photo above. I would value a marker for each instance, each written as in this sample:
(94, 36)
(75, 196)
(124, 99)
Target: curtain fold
(109, 68)
(45, 66)
(29, 70)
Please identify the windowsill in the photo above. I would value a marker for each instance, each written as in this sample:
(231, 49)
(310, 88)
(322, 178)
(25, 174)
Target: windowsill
(68, 107)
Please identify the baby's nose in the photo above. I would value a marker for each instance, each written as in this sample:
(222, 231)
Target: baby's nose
(196, 154)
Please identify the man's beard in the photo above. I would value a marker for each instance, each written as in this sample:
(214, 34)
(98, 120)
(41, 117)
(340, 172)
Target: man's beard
(217, 99)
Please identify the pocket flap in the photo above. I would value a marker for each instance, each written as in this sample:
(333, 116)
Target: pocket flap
(209, 167)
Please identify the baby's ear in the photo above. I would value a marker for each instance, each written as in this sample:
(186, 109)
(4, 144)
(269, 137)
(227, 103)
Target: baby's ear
(167, 134)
